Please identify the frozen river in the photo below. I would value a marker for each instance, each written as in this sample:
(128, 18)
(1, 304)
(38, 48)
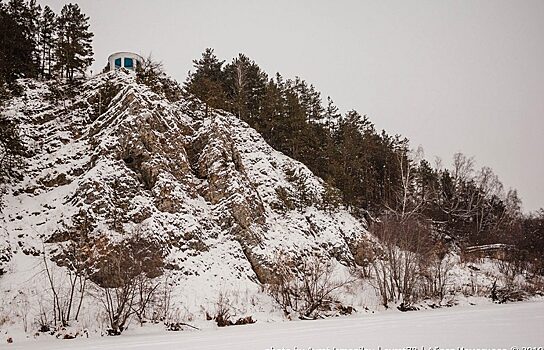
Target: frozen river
(512, 326)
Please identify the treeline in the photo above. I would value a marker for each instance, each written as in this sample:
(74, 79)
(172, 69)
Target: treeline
(291, 116)
(377, 173)
(37, 43)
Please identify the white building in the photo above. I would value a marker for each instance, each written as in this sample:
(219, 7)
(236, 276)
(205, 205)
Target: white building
(128, 60)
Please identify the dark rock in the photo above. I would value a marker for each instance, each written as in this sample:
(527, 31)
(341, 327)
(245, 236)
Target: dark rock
(245, 320)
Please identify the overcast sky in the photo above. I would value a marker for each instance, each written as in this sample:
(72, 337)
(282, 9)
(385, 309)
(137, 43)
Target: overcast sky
(452, 76)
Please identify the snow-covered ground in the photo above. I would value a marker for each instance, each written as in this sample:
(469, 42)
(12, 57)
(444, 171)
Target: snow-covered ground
(511, 326)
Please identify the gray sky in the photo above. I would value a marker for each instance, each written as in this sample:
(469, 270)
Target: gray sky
(451, 76)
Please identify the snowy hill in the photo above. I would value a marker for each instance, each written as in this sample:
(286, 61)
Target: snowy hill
(221, 202)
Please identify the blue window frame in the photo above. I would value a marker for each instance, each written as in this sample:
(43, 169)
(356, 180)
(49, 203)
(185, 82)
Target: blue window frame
(129, 63)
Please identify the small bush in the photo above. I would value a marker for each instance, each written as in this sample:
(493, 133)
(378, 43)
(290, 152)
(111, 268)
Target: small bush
(151, 73)
(285, 198)
(223, 313)
(306, 288)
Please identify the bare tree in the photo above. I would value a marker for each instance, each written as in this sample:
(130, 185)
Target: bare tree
(463, 167)
(53, 285)
(74, 257)
(405, 249)
(407, 204)
(146, 290)
(152, 74)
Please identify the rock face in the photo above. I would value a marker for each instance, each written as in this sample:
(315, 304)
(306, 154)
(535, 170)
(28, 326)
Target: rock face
(220, 200)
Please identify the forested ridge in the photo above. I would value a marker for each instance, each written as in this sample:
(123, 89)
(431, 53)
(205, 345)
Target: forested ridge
(377, 174)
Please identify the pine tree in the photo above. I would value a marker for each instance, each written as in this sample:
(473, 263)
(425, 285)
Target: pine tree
(19, 13)
(11, 152)
(236, 86)
(73, 48)
(316, 111)
(26, 14)
(16, 45)
(349, 166)
(332, 114)
(32, 17)
(292, 126)
(309, 98)
(46, 41)
(245, 87)
(271, 111)
(207, 83)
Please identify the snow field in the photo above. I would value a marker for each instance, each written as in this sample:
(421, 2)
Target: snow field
(510, 326)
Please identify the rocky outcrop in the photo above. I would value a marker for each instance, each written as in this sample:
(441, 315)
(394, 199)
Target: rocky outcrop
(222, 201)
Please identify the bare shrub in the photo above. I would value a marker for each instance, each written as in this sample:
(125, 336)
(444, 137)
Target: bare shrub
(509, 270)
(306, 287)
(364, 256)
(4, 319)
(125, 272)
(42, 320)
(222, 311)
(161, 303)
(536, 285)
(67, 285)
(151, 73)
(436, 272)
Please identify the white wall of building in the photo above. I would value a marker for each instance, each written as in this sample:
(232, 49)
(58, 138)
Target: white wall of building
(122, 56)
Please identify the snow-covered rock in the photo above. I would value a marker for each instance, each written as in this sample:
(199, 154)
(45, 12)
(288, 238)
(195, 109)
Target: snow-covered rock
(116, 158)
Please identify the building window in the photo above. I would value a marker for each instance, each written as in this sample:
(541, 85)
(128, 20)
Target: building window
(129, 63)
(118, 63)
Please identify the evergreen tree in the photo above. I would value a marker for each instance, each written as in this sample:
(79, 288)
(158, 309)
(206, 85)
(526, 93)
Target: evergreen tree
(309, 98)
(11, 152)
(46, 41)
(27, 14)
(271, 112)
(348, 167)
(373, 170)
(16, 45)
(207, 83)
(32, 17)
(245, 87)
(292, 126)
(332, 114)
(73, 48)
